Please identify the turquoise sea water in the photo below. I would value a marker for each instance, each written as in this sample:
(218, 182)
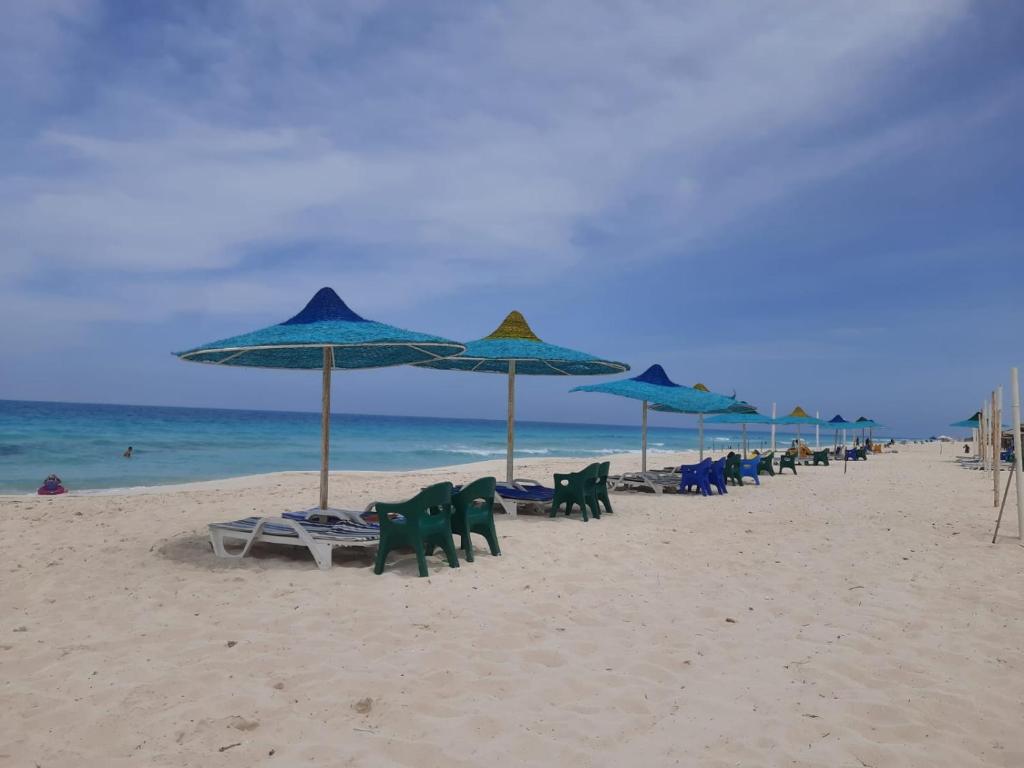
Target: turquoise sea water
(83, 443)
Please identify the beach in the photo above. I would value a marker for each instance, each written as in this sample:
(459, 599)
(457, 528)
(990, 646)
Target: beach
(828, 619)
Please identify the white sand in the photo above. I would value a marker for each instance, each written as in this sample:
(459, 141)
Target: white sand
(872, 625)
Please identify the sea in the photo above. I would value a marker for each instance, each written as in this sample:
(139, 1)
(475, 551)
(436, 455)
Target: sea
(84, 443)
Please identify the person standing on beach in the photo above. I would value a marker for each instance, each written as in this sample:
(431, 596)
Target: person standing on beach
(128, 454)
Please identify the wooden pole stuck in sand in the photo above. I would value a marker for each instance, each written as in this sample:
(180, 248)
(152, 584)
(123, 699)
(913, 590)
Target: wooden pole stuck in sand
(773, 426)
(983, 435)
(1017, 458)
(817, 432)
(643, 439)
(325, 425)
(700, 421)
(996, 443)
(511, 419)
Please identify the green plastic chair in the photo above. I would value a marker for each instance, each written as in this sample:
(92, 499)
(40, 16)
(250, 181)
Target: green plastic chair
(862, 453)
(820, 457)
(469, 518)
(732, 470)
(766, 464)
(425, 522)
(787, 461)
(601, 488)
(579, 488)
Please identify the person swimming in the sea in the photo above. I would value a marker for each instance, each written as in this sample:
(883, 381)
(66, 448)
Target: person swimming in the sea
(128, 454)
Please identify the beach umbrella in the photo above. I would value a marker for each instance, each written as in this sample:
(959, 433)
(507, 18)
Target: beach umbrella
(325, 335)
(735, 407)
(742, 419)
(514, 349)
(799, 417)
(971, 423)
(865, 424)
(654, 386)
(838, 423)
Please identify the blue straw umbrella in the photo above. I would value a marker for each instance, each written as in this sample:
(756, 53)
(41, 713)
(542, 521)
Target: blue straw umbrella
(838, 423)
(654, 386)
(742, 419)
(735, 406)
(325, 335)
(866, 424)
(971, 423)
(799, 417)
(513, 348)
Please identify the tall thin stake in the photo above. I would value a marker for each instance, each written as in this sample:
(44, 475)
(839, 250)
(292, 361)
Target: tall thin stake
(1017, 458)
(997, 435)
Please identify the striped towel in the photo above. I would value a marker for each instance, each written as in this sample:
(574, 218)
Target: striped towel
(338, 532)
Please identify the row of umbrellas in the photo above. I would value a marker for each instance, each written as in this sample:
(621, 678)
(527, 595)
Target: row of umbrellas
(328, 335)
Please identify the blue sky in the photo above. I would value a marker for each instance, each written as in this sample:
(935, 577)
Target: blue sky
(813, 203)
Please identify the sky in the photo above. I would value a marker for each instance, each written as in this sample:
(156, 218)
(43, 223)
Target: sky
(805, 203)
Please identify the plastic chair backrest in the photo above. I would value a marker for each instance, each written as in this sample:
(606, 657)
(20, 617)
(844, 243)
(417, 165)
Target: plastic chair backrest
(435, 499)
(478, 490)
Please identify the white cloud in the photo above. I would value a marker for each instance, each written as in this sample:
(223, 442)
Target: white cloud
(468, 146)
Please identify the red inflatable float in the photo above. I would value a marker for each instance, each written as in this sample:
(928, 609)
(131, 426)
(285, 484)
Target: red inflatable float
(51, 487)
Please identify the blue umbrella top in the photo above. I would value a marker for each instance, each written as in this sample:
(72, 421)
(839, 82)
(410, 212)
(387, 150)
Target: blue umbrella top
(514, 341)
(656, 387)
(971, 423)
(838, 422)
(326, 321)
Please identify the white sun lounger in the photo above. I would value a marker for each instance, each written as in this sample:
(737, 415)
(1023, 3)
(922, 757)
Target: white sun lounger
(318, 538)
(658, 482)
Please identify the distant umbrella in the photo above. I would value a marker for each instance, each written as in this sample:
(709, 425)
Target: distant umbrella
(325, 335)
(971, 423)
(513, 348)
(654, 386)
(735, 406)
(742, 419)
(799, 417)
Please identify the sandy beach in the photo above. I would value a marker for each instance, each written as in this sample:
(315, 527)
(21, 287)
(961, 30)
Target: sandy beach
(819, 620)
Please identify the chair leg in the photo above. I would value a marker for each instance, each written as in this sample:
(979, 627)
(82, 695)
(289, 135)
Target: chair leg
(491, 534)
(466, 543)
(583, 509)
(383, 547)
(448, 543)
(421, 559)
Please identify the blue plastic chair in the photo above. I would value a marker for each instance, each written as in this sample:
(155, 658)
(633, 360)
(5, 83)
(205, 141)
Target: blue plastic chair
(748, 468)
(696, 476)
(852, 454)
(716, 476)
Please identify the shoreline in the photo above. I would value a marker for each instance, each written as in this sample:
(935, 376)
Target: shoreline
(237, 482)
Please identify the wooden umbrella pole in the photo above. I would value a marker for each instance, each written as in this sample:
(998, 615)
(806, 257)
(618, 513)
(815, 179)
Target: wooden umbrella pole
(701, 422)
(743, 427)
(1017, 457)
(773, 427)
(817, 432)
(511, 419)
(643, 439)
(996, 441)
(325, 425)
